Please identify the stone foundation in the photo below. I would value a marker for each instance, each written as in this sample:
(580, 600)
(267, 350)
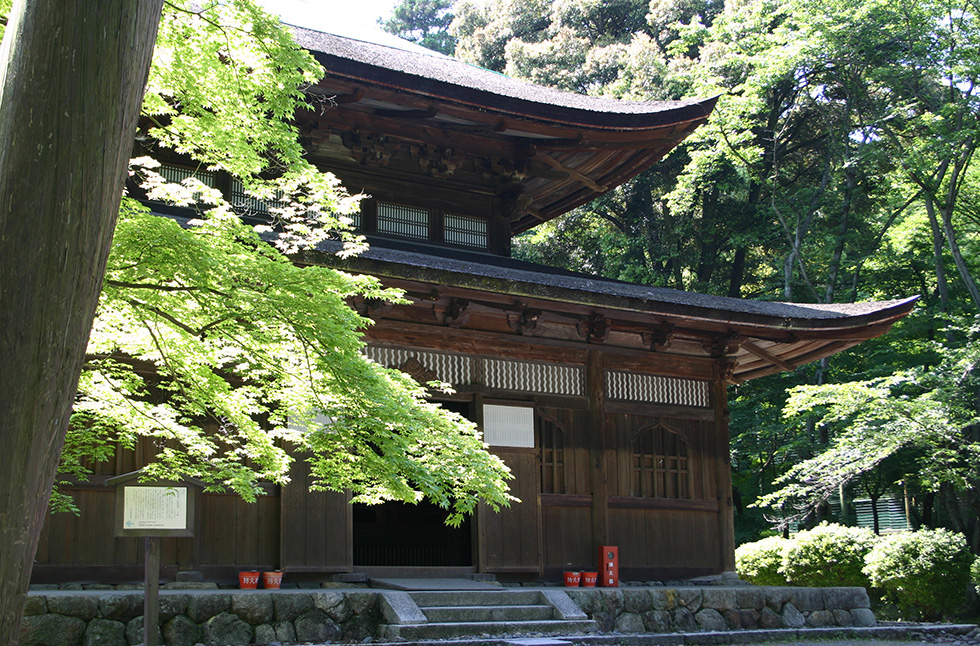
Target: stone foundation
(716, 608)
(114, 618)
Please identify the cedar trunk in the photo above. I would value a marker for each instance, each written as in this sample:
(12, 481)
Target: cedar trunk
(72, 75)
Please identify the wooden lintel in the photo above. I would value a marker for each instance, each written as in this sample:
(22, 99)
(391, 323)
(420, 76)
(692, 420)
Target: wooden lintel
(407, 114)
(767, 356)
(557, 165)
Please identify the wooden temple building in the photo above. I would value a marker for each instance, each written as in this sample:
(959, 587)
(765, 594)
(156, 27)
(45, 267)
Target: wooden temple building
(606, 399)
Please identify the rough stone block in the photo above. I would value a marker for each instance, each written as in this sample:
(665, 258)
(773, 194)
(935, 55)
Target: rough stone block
(863, 617)
(105, 632)
(791, 617)
(750, 598)
(134, 631)
(51, 630)
(821, 619)
(845, 598)
(290, 605)
(120, 607)
(181, 631)
(201, 607)
(225, 628)
(777, 597)
(719, 599)
(807, 599)
(689, 598)
(657, 621)
(636, 600)
(35, 605)
(684, 619)
(316, 627)
(83, 607)
(611, 601)
(334, 604)
(172, 605)
(361, 627)
(362, 602)
(768, 619)
(663, 599)
(749, 618)
(253, 609)
(629, 622)
(843, 617)
(711, 620)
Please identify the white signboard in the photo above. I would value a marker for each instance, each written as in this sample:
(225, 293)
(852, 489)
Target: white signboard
(155, 508)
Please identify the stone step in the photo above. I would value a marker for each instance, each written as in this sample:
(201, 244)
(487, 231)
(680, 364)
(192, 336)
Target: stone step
(502, 597)
(455, 630)
(443, 614)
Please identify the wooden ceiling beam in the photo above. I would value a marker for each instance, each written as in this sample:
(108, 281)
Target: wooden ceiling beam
(548, 160)
(767, 356)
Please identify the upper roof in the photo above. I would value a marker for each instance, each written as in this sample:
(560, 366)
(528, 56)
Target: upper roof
(562, 149)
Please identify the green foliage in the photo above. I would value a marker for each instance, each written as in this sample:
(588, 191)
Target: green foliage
(211, 346)
(425, 22)
(760, 562)
(828, 555)
(975, 573)
(925, 573)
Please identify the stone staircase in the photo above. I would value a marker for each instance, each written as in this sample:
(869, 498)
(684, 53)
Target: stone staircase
(415, 616)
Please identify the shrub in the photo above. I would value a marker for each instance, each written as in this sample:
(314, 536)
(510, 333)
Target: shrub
(926, 571)
(759, 562)
(828, 555)
(975, 574)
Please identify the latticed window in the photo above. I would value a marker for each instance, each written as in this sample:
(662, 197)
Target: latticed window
(552, 456)
(404, 221)
(661, 464)
(465, 230)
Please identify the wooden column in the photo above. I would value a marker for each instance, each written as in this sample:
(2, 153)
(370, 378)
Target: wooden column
(151, 590)
(723, 464)
(595, 387)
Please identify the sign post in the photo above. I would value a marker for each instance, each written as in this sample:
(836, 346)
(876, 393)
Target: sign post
(154, 510)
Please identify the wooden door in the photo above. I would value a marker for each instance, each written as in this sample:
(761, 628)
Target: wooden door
(316, 526)
(510, 540)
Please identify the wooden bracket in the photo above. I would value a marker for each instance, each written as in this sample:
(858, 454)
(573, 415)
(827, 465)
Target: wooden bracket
(525, 322)
(594, 329)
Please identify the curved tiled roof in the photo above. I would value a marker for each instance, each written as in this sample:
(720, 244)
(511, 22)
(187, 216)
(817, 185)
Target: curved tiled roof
(451, 79)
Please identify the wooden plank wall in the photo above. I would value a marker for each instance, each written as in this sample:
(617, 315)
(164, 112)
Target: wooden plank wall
(232, 532)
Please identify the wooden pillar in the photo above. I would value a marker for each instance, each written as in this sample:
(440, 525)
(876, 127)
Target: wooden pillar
(595, 388)
(723, 464)
(151, 603)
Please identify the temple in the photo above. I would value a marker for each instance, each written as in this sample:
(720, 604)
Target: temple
(606, 399)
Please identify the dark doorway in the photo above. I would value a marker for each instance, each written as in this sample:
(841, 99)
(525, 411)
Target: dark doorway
(397, 534)
(401, 534)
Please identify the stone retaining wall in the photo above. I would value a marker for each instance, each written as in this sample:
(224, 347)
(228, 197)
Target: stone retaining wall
(115, 618)
(188, 618)
(686, 609)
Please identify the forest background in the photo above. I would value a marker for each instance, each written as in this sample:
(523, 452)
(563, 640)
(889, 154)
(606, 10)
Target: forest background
(838, 167)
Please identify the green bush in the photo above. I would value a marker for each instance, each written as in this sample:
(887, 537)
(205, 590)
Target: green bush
(975, 574)
(759, 562)
(925, 572)
(828, 555)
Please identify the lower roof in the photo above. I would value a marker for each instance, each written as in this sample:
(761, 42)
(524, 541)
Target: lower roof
(762, 337)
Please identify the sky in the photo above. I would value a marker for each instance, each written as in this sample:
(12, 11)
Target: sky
(327, 15)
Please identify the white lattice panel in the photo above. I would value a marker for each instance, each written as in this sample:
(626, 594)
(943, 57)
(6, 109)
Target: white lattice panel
(547, 378)
(654, 389)
(454, 369)
(508, 425)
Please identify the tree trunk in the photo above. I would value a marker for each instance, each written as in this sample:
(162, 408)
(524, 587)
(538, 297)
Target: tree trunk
(937, 253)
(71, 80)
